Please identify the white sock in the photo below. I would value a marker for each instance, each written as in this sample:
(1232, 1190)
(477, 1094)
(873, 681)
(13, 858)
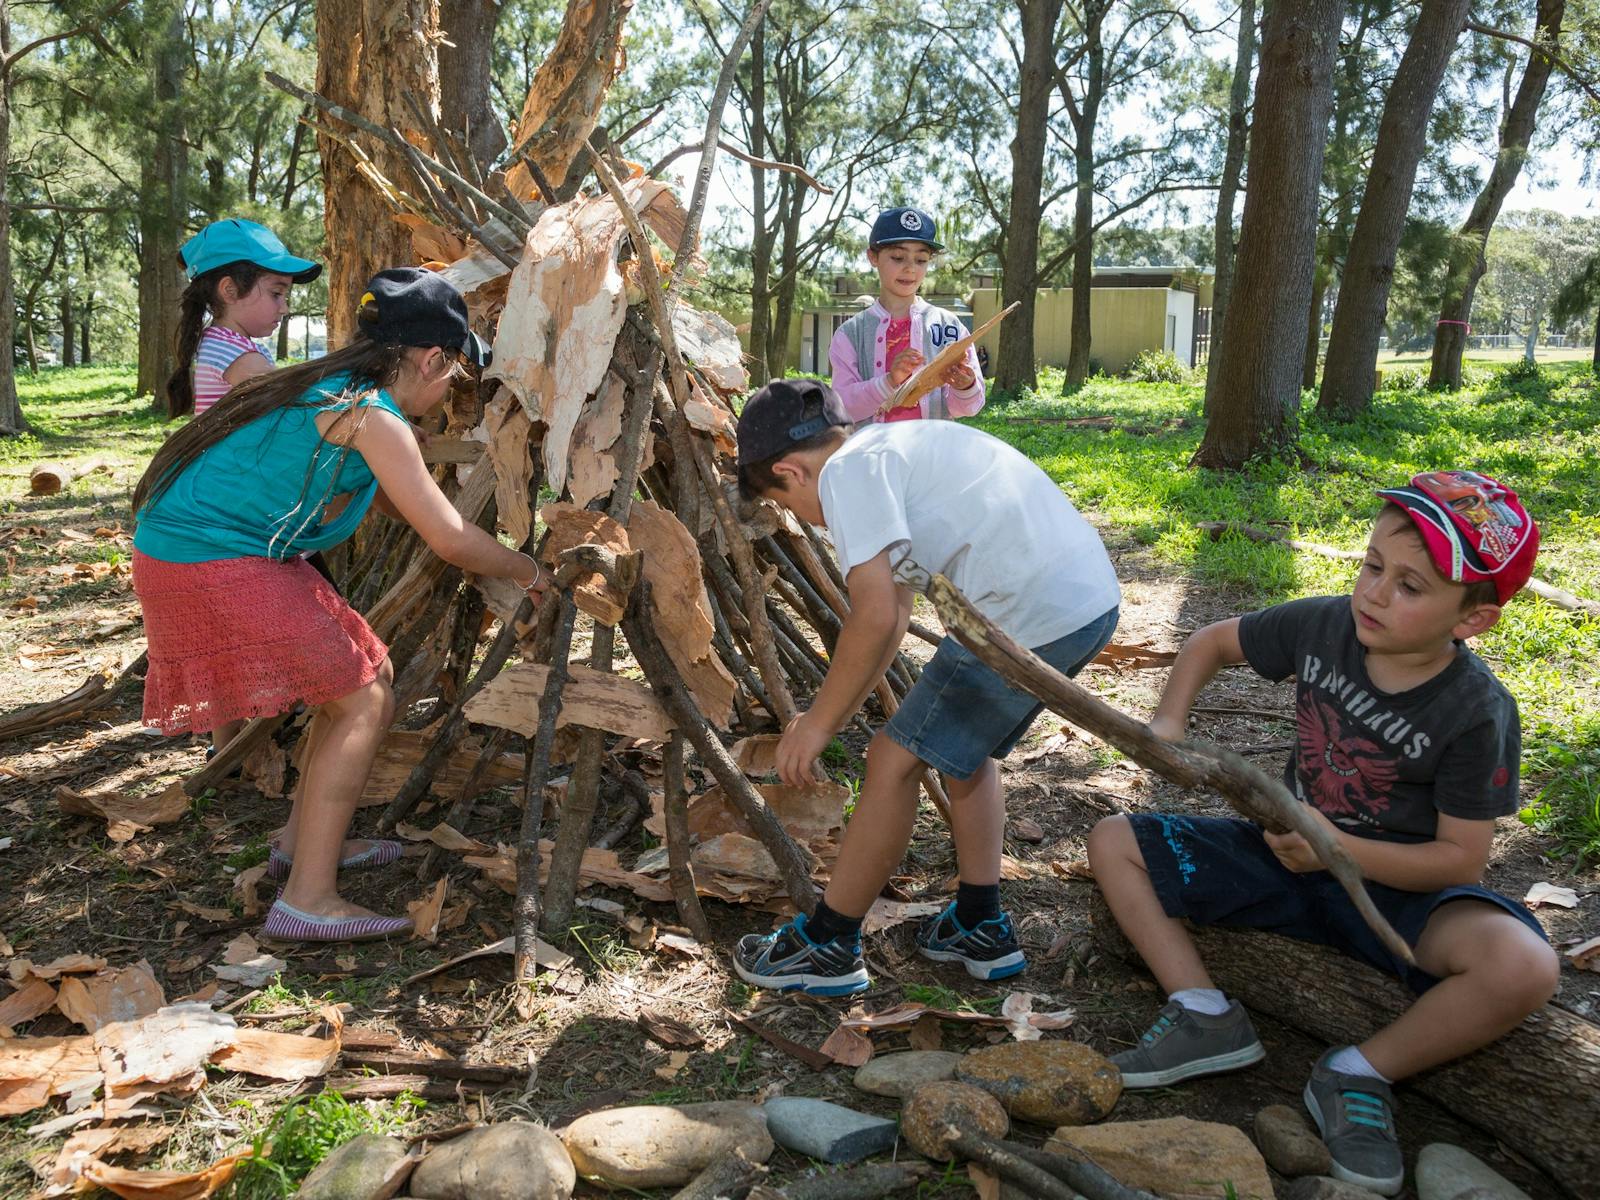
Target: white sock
(1350, 1061)
(1208, 1001)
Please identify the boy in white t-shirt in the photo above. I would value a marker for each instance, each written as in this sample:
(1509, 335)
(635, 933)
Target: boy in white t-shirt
(901, 501)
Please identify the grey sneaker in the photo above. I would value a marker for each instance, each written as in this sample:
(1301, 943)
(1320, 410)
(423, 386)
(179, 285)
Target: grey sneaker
(1355, 1114)
(1183, 1044)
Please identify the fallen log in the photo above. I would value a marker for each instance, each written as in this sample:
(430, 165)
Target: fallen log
(869, 1181)
(1553, 1056)
(400, 1063)
(1560, 597)
(49, 478)
(94, 692)
(1192, 764)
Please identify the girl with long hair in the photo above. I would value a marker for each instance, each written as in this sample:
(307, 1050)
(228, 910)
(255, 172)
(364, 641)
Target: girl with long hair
(240, 625)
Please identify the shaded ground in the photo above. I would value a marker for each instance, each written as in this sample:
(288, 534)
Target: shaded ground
(64, 887)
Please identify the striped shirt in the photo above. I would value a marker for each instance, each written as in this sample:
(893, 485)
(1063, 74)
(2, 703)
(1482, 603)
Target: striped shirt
(219, 349)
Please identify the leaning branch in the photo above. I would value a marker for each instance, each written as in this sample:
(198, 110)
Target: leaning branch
(1544, 50)
(1193, 764)
(766, 164)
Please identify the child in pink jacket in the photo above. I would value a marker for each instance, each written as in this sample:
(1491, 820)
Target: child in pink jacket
(878, 349)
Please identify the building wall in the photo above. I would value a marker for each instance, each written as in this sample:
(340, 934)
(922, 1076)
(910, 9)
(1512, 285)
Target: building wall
(1178, 336)
(1123, 321)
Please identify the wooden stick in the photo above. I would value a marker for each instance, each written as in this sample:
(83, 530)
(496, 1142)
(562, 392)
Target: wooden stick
(998, 1157)
(680, 873)
(869, 1181)
(1088, 1179)
(927, 377)
(1558, 596)
(1193, 764)
(727, 1177)
(94, 692)
(228, 759)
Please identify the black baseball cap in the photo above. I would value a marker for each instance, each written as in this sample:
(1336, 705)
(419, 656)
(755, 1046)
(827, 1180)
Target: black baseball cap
(412, 306)
(905, 225)
(783, 413)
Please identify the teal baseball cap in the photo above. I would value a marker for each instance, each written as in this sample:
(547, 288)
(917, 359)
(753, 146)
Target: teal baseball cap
(235, 240)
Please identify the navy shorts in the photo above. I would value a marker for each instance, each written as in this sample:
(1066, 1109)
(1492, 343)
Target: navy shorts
(961, 712)
(1220, 871)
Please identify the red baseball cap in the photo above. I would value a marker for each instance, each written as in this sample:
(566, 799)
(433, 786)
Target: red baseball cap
(1474, 527)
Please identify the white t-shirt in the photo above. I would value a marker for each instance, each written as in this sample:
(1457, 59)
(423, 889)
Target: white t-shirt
(957, 502)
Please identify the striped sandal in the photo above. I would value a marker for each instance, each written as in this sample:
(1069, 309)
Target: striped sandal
(285, 923)
(379, 854)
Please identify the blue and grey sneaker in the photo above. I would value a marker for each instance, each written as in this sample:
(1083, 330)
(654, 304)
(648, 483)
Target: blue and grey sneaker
(988, 952)
(1355, 1114)
(787, 960)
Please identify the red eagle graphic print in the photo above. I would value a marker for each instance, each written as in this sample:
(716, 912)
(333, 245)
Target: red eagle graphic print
(1344, 774)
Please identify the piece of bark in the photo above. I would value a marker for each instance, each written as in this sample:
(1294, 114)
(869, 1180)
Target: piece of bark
(1554, 1053)
(398, 1063)
(1558, 596)
(1191, 764)
(593, 699)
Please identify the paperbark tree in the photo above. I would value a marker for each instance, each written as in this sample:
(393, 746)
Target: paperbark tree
(1358, 316)
(1467, 262)
(162, 212)
(1228, 186)
(1257, 377)
(370, 54)
(1014, 367)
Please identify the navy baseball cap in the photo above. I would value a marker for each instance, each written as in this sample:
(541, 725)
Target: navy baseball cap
(905, 225)
(235, 240)
(783, 413)
(412, 306)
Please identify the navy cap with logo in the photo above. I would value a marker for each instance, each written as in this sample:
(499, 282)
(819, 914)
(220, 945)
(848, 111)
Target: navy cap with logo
(904, 225)
(783, 414)
(412, 306)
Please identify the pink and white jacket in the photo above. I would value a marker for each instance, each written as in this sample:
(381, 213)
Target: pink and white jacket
(862, 340)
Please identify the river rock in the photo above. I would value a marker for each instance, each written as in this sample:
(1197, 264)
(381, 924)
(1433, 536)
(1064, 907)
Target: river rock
(514, 1160)
(369, 1167)
(933, 1106)
(1289, 1145)
(1048, 1083)
(828, 1132)
(899, 1075)
(1446, 1172)
(660, 1145)
(1325, 1187)
(1173, 1157)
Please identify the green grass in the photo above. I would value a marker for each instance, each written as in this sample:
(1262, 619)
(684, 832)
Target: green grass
(59, 403)
(305, 1132)
(1539, 431)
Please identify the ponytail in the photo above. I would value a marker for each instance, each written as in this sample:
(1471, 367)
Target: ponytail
(199, 301)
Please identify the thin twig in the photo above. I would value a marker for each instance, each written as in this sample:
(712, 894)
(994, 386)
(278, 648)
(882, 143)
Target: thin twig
(767, 164)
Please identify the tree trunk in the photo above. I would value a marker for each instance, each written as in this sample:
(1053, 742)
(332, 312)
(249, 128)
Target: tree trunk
(466, 70)
(1083, 125)
(1532, 340)
(1228, 187)
(760, 236)
(1257, 379)
(1597, 341)
(1553, 1053)
(1467, 264)
(369, 55)
(1014, 367)
(1308, 362)
(69, 342)
(11, 421)
(1358, 316)
(29, 307)
(161, 218)
(83, 330)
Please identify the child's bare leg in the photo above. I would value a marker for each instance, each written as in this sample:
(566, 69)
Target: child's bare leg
(285, 837)
(336, 772)
(978, 823)
(1162, 941)
(223, 734)
(879, 831)
(1493, 972)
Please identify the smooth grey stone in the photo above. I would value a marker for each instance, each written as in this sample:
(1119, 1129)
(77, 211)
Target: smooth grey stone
(1446, 1172)
(899, 1075)
(1323, 1187)
(514, 1160)
(364, 1168)
(830, 1133)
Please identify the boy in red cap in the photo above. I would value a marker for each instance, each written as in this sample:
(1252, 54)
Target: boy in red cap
(1407, 750)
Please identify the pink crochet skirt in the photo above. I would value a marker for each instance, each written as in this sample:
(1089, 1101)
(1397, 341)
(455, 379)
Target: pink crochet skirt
(246, 637)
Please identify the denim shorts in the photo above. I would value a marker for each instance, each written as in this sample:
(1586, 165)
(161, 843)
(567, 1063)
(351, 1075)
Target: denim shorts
(961, 712)
(1220, 871)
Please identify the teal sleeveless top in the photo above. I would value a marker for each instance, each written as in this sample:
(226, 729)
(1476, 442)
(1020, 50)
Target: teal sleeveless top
(263, 491)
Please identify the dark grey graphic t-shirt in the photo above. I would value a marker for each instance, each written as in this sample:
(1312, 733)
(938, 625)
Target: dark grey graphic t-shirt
(1378, 764)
